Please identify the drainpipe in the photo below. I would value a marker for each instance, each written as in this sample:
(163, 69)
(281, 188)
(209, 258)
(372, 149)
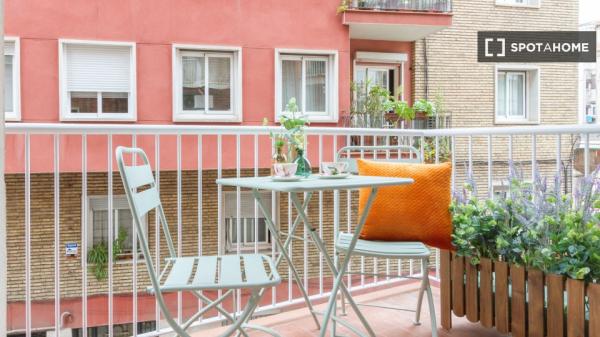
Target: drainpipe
(3, 255)
(426, 68)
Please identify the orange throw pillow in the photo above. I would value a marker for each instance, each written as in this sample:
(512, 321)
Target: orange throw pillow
(414, 212)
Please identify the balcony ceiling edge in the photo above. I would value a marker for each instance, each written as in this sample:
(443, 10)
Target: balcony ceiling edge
(388, 32)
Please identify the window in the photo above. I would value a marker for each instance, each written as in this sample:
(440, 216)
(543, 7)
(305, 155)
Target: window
(97, 81)
(12, 100)
(517, 3)
(385, 76)
(207, 84)
(517, 95)
(253, 227)
(119, 330)
(122, 223)
(310, 78)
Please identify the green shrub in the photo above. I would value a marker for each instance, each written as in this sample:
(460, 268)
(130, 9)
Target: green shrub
(533, 226)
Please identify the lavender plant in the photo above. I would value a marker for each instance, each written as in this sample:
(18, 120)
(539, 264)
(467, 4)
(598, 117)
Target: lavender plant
(534, 225)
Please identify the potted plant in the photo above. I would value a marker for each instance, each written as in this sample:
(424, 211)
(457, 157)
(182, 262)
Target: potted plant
(513, 254)
(97, 257)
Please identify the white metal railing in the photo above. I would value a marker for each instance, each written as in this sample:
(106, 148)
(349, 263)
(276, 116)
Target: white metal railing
(411, 5)
(236, 150)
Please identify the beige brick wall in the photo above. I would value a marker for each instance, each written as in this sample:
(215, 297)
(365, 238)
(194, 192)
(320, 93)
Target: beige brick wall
(43, 230)
(467, 86)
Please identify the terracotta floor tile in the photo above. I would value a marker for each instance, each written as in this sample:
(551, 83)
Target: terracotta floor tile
(385, 322)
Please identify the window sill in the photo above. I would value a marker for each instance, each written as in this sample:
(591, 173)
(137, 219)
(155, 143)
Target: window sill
(190, 118)
(330, 118)
(125, 260)
(98, 119)
(516, 122)
(500, 4)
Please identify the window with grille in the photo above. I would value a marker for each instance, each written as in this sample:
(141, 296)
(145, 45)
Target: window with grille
(122, 221)
(251, 231)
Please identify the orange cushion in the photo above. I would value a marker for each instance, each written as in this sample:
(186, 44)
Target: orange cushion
(414, 212)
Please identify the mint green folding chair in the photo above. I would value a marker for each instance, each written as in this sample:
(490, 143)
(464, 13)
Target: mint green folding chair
(386, 249)
(229, 272)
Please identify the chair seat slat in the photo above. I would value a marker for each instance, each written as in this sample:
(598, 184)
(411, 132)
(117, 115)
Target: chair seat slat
(255, 269)
(206, 270)
(390, 249)
(231, 272)
(180, 273)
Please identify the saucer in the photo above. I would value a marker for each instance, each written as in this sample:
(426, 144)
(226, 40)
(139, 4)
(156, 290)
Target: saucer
(336, 176)
(289, 179)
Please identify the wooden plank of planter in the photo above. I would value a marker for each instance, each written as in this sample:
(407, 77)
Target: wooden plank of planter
(517, 304)
(575, 308)
(446, 289)
(535, 314)
(555, 312)
(501, 300)
(486, 299)
(472, 292)
(594, 298)
(458, 285)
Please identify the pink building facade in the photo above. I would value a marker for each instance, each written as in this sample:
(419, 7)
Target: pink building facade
(68, 52)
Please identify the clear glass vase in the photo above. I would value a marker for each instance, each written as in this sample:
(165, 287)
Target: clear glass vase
(278, 158)
(304, 168)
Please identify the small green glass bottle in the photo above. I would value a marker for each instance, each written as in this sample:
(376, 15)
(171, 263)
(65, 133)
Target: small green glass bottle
(304, 168)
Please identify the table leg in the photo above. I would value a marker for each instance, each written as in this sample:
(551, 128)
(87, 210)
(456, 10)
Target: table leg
(284, 247)
(338, 284)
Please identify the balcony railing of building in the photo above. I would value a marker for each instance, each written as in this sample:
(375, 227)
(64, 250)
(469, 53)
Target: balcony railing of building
(62, 186)
(402, 5)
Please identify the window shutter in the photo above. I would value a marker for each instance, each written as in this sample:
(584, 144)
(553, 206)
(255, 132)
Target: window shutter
(98, 68)
(9, 48)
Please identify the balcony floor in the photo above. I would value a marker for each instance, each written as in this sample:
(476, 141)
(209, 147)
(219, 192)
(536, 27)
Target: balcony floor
(385, 323)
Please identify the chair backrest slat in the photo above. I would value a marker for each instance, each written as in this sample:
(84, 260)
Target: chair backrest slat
(146, 200)
(393, 153)
(139, 176)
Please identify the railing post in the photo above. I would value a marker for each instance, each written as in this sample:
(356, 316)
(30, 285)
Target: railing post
(3, 259)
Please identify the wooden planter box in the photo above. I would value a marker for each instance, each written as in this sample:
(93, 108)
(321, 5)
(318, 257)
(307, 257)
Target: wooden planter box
(517, 301)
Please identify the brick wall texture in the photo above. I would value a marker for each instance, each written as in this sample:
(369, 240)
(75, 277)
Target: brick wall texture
(450, 70)
(43, 230)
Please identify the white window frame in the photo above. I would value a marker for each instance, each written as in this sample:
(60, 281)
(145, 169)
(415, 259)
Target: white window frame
(331, 115)
(517, 3)
(264, 247)
(100, 203)
(397, 81)
(235, 114)
(532, 86)
(64, 96)
(15, 115)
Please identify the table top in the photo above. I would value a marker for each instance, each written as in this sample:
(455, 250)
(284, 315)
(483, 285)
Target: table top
(313, 183)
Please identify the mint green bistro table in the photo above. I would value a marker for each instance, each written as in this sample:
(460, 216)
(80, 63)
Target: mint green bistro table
(309, 186)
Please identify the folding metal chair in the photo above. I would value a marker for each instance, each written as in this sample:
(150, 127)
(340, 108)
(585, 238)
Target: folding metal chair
(229, 272)
(385, 249)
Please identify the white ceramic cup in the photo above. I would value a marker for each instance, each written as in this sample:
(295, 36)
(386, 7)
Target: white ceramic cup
(285, 170)
(334, 168)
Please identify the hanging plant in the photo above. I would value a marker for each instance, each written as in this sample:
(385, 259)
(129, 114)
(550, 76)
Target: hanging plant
(97, 257)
